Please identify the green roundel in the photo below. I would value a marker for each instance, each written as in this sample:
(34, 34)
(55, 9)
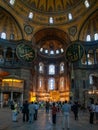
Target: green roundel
(74, 52)
(25, 52)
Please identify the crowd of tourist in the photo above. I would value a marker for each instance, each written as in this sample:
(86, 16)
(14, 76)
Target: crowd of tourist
(30, 110)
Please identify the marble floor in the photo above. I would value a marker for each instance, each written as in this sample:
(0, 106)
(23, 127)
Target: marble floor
(44, 122)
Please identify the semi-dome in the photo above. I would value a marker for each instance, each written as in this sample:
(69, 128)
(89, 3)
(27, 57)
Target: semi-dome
(90, 27)
(9, 28)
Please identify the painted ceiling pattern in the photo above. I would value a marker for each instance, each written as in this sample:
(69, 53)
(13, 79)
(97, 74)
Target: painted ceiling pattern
(44, 9)
(51, 6)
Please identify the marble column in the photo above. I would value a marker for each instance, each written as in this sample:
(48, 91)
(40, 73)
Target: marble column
(1, 99)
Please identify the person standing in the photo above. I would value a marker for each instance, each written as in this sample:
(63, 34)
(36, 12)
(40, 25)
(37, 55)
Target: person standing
(96, 112)
(31, 108)
(36, 110)
(66, 108)
(91, 110)
(75, 109)
(15, 112)
(47, 106)
(25, 111)
(54, 111)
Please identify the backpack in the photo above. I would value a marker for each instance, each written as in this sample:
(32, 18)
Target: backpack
(12, 107)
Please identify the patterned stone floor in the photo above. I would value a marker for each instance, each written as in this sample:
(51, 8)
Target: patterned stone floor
(44, 122)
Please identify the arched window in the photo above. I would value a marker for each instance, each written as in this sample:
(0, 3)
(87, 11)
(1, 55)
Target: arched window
(51, 69)
(51, 21)
(96, 36)
(12, 2)
(86, 3)
(70, 16)
(88, 38)
(91, 79)
(61, 84)
(51, 84)
(12, 36)
(3, 35)
(62, 67)
(41, 67)
(30, 15)
(40, 83)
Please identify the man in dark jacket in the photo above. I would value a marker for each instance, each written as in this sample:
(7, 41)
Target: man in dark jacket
(75, 109)
(25, 111)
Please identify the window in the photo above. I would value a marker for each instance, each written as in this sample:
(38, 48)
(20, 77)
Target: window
(30, 15)
(41, 49)
(51, 83)
(51, 69)
(62, 50)
(40, 83)
(51, 52)
(12, 36)
(12, 2)
(62, 67)
(70, 16)
(41, 67)
(57, 52)
(61, 84)
(3, 35)
(96, 36)
(86, 3)
(46, 51)
(88, 38)
(91, 79)
(51, 20)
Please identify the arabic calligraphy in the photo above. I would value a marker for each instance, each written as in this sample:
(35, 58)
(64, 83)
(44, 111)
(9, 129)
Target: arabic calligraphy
(25, 52)
(74, 52)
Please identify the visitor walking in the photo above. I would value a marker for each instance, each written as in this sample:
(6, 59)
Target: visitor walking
(31, 108)
(54, 111)
(91, 110)
(66, 108)
(36, 110)
(96, 113)
(14, 112)
(75, 109)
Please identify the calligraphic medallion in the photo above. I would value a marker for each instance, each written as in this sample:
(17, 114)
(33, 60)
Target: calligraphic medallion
(74, 52)
(25, 52)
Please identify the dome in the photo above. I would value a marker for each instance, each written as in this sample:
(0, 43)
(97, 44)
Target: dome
(43, 10)
(50, 6)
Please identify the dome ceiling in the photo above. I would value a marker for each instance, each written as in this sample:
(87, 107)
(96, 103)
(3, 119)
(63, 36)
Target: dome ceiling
(44, 9)
(51, 6)
(14, 19)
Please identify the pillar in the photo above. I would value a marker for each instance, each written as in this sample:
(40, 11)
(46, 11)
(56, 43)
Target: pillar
(1, 99)
(11, 96)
